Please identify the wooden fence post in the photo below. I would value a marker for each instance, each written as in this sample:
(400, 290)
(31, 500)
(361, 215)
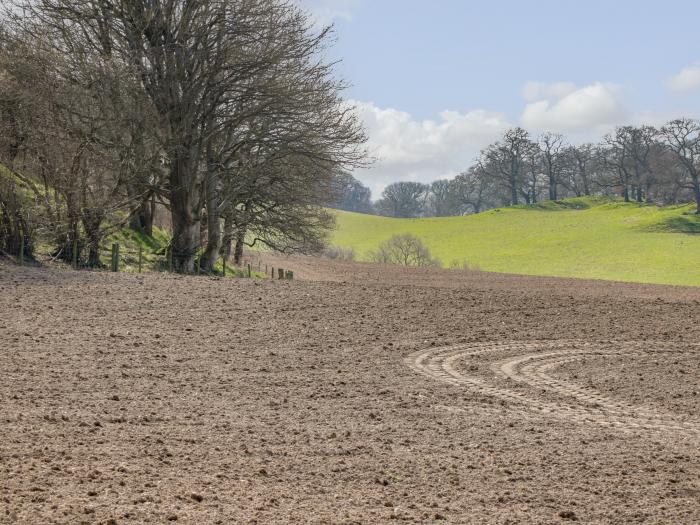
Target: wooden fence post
(249, 272)
(115, 257)
(170, 258)
(140, 257)
(280, 274)
(21, 246)
(223, 261)
(199, 264)
(75, 252)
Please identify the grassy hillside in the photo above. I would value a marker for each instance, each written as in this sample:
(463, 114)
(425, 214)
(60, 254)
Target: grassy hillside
(587, 237)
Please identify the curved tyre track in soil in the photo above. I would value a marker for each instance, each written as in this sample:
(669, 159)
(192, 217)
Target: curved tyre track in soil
(529, 365)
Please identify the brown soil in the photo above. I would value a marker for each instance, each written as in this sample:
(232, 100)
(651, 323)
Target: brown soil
(355, 394)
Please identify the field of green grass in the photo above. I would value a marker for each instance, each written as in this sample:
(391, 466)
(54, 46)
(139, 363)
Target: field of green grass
(586, 237)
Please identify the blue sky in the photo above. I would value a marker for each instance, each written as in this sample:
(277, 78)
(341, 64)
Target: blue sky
(436, 81)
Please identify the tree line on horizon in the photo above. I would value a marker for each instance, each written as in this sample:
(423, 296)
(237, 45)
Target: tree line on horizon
(224, 113)
(636, 163)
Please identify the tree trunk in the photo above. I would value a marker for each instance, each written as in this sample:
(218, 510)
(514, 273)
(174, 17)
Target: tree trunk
(142, 213)
(211, 253)
(185, 218)
(238, 253)
(142, 219)
(626, 193)
(227, 238)
(66, 243)
(91, 223)
(513, 191)
(552, 188)
(696, 191)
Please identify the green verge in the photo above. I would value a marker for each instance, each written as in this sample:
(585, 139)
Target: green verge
(594, 238)
(153, 250)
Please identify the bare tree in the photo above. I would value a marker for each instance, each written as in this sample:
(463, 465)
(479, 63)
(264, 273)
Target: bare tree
(504, 161)
(578, 164)
(405, 250)
(441, 200)
(219, 75)
(67, 142)
(682, 138)
(474, 191)
(551, 146)
(352, 195)
(403, 199)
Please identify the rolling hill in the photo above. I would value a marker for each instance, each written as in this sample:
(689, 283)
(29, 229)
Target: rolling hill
(585, 237)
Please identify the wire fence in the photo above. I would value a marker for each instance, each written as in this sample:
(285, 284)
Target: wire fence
(161, 259)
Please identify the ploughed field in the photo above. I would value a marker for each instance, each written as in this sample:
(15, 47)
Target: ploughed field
(354, 394)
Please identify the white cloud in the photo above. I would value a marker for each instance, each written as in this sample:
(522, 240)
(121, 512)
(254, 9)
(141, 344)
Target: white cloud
(423, 150)
(562, 107)
(410, 149)
(325, 12)
(533, 91)
(688, 79)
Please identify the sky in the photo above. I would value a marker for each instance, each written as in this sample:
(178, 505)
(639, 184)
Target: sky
(435, 82)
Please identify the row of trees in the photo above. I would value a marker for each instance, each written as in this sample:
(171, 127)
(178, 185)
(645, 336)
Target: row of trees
(641, 163)
(224, 112)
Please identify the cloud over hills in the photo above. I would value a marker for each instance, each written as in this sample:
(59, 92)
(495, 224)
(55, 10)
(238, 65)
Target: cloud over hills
(423, 150)
(686, 80)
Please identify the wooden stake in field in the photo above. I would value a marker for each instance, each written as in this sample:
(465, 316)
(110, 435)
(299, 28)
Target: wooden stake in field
(223, 263)
(249, 271)
(280, 274)
(140, 257)
(21, 247)
(75, 252)
(115, 257)
(169, 254)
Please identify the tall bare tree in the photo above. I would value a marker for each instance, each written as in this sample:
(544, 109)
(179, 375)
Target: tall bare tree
(504, 161)
(682, 138)
(551, 146)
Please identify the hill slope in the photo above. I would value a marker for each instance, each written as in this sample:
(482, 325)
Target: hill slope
(587, 237)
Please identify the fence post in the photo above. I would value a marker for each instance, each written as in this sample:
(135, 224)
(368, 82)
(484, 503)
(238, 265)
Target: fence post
(290, 275)
(21, 246)
(199, 263)
(170, 258)
(115, 257)
(140, 257)
(75, 252)
(223, 258)
(280, 273)
(249, 272)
